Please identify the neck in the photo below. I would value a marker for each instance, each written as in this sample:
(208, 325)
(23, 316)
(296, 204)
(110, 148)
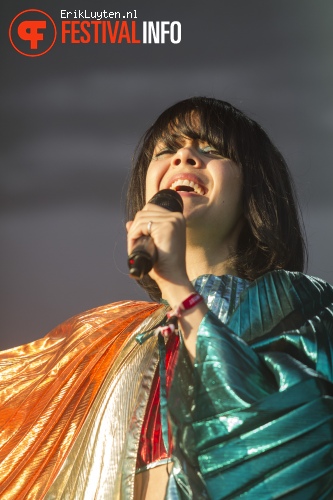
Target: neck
(208, 260)
(209, 252)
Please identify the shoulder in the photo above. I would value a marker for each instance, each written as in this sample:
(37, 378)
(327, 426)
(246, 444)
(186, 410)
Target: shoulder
(306, 288)
(280, 300)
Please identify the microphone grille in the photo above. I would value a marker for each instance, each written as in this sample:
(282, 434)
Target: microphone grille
(169, 199)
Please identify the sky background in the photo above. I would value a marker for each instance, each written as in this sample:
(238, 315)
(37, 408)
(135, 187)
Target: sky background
(71, 120)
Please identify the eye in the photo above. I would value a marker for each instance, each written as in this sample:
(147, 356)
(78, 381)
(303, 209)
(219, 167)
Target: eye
(163, 152)
(210, 151)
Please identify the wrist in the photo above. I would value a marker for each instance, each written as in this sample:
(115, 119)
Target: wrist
(191, 301)
(175, 293)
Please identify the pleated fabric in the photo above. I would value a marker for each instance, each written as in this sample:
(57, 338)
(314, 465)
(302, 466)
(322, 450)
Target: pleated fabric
(72, 406)
(253, 418)
(152, 450)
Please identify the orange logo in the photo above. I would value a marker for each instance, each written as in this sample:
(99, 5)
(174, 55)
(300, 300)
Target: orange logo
(32, 32)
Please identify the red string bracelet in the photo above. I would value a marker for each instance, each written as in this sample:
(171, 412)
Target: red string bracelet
(190, 301)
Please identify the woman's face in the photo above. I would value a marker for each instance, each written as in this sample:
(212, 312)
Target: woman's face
(209, 184)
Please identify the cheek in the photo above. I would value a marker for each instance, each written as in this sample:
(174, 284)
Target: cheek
(232, 191)
(236, 183)
(237, 193)
(151, 183)
(154, 176)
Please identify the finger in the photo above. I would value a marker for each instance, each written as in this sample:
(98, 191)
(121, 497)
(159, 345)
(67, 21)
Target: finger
(160, 228)
(136, 230)
(154, 208)
(146, 221)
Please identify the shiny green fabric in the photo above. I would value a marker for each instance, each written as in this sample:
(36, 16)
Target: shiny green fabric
(253, 418)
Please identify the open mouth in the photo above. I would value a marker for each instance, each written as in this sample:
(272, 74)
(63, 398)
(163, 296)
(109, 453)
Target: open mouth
(188, 186)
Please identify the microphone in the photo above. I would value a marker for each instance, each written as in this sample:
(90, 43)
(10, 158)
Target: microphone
(144, 255)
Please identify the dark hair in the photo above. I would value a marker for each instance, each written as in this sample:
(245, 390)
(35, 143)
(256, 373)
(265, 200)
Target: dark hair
(272, 236)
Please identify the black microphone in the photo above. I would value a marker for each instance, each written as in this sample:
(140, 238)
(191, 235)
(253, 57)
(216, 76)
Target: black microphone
(144, 255)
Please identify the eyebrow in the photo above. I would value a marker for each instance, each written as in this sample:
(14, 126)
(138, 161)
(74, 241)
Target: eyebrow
(179, 138)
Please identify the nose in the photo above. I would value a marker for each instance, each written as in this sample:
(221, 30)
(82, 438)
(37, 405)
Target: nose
(186, 156)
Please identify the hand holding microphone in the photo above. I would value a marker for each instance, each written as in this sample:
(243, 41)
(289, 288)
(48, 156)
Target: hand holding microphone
(144, 255)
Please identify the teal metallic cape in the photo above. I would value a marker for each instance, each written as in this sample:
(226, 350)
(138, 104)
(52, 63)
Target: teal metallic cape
(253, 418)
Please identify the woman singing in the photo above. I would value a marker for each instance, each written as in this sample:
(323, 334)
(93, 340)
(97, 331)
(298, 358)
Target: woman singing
(237, 402)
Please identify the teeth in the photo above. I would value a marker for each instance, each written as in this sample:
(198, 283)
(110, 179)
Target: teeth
(185, 182)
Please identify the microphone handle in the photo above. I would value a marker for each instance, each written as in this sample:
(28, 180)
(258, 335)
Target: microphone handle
(142, 258)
